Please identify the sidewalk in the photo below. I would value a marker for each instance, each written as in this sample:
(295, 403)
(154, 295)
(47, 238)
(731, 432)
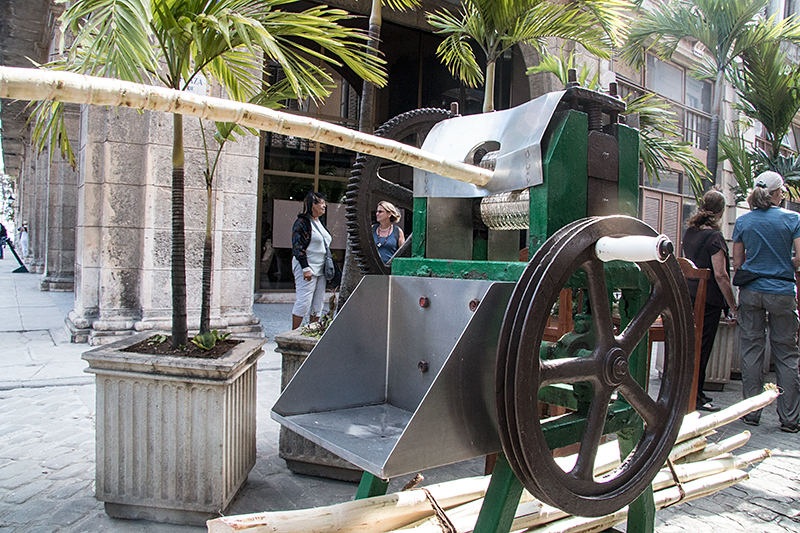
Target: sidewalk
(47, 439)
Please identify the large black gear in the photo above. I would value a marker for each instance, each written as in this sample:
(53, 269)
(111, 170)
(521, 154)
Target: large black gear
(367, 187)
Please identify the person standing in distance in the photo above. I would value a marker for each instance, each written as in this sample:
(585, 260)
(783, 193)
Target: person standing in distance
(388, 237)
(763, 241)
(705, 246)
(310, 238)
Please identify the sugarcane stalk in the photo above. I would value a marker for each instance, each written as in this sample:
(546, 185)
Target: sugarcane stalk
(534, 513)
(413, 512)
(693, 471)
(719, 448)
(687, 447)
(692, 428)
(381, 513)
(663, 498)
(68, 87)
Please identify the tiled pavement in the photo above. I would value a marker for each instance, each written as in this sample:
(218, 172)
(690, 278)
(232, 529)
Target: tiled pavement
(47, 440)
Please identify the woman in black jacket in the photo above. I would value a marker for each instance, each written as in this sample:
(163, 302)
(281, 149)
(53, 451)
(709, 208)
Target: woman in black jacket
(310, 239)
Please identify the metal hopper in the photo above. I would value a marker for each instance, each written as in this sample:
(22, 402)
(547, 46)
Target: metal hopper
(403, 379)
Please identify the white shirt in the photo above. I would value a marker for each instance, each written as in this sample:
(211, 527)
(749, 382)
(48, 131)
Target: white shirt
(315, 253)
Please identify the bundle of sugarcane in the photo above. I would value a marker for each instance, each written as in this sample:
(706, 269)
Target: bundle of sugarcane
(695, 469)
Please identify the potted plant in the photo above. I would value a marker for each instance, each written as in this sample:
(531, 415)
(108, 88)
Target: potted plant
(176, 433)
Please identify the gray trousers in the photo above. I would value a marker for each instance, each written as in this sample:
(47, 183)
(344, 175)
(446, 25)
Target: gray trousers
(754, 307)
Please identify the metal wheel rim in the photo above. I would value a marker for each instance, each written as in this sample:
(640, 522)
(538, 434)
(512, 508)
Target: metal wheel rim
(522, 435)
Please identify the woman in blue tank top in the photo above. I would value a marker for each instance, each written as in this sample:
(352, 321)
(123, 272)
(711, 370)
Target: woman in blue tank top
(388, 237)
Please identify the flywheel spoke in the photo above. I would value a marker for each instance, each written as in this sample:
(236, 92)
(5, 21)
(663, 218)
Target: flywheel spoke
(641, 323)
(595, 422)
(401, 196)
(598, 295)
(650, 411)
(567, 370)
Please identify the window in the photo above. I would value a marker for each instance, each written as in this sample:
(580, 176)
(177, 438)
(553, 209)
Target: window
(692, 98)
(667, 204)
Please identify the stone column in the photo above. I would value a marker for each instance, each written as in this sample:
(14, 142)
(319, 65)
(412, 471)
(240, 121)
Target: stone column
(37, 227)
(123, 239)
(59, 261)
(113, 167)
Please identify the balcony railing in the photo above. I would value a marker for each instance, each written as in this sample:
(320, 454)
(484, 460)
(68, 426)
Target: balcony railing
(694, 124)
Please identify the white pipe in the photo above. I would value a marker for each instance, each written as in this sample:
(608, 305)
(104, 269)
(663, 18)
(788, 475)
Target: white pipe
(635, 248)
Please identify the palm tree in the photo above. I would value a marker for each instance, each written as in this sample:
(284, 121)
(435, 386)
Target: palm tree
(350, 273)
(769, 88)
(497, 26)
(725, 28)
(659, 130)
(368, 90)
(174, 41)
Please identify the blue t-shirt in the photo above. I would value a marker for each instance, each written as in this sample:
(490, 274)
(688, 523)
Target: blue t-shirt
(768, 236)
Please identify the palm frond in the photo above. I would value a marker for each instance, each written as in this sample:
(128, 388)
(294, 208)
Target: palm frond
(768, 87)
(402, 5)
(560, 66)
(50, 129)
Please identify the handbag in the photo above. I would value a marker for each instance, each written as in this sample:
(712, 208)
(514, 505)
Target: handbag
(330, 265)
(744, 277)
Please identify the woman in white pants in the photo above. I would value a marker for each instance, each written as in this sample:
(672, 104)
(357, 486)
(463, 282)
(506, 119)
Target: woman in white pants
(310, 238)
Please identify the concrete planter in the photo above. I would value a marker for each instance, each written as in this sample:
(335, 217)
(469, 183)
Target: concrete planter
(724, 357)
(175, 436)
(301, 455)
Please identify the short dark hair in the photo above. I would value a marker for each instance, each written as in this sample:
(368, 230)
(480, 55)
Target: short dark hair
(311, 199)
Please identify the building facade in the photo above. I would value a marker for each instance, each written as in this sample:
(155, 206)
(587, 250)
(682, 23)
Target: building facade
(102, 228)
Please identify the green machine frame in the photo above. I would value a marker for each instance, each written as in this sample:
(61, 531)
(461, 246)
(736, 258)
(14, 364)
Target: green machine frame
(565, 196)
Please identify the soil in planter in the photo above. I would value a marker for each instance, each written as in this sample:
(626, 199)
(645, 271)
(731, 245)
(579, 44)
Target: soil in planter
(151, 346)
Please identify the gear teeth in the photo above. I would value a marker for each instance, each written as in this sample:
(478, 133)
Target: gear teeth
(357, 192)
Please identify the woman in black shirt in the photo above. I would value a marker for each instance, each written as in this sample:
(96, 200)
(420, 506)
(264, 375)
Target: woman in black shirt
(705, 246)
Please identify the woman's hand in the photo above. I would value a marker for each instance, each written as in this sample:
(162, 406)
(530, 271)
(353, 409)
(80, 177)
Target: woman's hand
(307, 275)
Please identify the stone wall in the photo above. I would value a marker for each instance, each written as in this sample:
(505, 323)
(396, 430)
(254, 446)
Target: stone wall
(124, 227)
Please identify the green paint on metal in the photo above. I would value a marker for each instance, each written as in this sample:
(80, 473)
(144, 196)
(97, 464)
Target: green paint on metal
(642, 512)
(628, 139)
(560, 394)
(370, 486)
(419, 228)
(562, 198)
(501, 500)
(446, 268)
(480, 249)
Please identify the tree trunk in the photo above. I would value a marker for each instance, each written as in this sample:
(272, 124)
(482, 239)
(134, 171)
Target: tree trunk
(208, 256)
(180, 336)
(351, 274)
(488, 89)
(712, 156)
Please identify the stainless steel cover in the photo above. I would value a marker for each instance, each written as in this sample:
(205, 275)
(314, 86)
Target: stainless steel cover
(519, 131)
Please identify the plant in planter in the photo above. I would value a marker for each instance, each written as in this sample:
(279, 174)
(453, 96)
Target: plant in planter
(227, 41)
(176, 434)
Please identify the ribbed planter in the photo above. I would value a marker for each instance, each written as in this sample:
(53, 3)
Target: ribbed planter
(175, 436)
(301, 455)
(724, 356)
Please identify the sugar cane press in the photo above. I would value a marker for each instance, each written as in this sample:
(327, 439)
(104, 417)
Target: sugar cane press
(446, 358)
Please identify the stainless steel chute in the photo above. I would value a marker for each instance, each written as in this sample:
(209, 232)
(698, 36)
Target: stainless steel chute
(403, 379)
